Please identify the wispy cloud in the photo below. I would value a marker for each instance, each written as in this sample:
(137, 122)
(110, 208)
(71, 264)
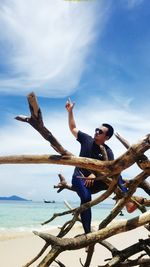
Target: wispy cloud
(45, 44)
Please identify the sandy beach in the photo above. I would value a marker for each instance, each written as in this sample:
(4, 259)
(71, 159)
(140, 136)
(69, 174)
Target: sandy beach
(16, 250)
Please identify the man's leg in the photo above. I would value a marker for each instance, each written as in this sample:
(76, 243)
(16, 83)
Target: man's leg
(85, 195)
(98, 186)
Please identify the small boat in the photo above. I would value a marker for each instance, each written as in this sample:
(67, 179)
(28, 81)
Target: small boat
(121, 213)
(48, 201)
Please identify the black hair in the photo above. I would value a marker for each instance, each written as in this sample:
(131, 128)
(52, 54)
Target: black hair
(110, 129)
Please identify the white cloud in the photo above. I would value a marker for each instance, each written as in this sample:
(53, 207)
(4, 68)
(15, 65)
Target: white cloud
(46, 43)
(123, 101)
(34, 181)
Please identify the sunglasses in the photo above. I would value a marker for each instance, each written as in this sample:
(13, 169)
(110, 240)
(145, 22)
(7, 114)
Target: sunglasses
(99, 131)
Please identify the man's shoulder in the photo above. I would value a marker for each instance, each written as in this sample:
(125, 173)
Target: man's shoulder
(109, 152)
(107, 147)
(84, 136)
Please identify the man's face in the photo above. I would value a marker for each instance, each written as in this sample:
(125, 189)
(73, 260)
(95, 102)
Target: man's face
(100, 135)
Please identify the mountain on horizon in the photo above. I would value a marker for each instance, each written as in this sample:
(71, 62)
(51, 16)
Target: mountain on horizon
(14, 197)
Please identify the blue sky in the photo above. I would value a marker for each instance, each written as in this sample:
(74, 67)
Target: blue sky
(96, 53)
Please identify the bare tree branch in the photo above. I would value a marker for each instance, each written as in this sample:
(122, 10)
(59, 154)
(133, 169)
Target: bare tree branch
(37, 256)
(36, 122)
(92, 238)
(128, 263)
(141, 161)
(106, 168)
(124, 254)
(108, 171)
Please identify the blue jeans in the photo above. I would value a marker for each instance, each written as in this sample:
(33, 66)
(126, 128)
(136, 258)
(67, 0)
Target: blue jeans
(85, 195)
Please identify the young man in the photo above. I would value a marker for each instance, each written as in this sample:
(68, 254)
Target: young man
(90, 148)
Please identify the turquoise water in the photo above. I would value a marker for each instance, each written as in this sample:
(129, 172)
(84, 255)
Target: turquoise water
(24, 216)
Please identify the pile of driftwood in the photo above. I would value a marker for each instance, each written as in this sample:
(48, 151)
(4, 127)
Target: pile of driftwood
(109, 172)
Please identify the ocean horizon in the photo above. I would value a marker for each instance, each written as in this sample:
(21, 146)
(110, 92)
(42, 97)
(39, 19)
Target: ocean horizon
(26, 216)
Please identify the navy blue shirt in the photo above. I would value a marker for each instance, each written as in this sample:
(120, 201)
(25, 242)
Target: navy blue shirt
(90, 149)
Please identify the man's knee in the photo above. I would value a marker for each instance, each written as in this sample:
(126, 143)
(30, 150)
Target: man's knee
(85, 198)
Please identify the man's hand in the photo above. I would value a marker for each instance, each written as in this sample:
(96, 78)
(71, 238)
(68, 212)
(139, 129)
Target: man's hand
(72, 125)
(89, 183)
(89, 180)
(69, 105)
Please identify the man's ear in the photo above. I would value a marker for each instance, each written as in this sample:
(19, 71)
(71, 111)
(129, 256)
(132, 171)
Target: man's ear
(107, 137)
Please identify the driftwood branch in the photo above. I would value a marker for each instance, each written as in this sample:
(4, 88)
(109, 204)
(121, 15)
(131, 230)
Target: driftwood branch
(92, 238)
(141, 161)
(37, 256)
(121, 202)
(145, 186)
(49, 258)
(92, 203)
(140, 262)
(36, 121)
(63, 184)
(105, 168)
(108, 171)
(121, 256)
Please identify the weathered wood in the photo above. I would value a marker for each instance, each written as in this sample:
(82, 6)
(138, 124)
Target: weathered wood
(145, 186)
(138, 262)
(89, 204)
(109, 246)
(108, 171)
(33, 105)
(106, 168)
(67, 226)
(55, 251)
(90, 253)
(124, 254)
(37, 256)
(121, 202)
(142, 162)
(37, 123)
(92, 238)
(63, 184)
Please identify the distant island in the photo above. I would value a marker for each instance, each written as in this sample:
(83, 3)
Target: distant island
(16, 198)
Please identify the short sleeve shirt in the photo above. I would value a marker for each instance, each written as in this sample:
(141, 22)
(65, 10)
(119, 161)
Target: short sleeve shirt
(90, 149)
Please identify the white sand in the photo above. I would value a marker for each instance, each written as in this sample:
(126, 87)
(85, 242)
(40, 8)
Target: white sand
(17, 250)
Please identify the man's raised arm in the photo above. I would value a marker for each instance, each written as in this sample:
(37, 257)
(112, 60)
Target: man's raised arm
(72, 125)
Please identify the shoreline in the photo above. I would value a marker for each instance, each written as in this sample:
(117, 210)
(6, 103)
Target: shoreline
(9, 234)
(25, 246)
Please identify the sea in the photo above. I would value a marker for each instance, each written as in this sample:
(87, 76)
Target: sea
(26, 216)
